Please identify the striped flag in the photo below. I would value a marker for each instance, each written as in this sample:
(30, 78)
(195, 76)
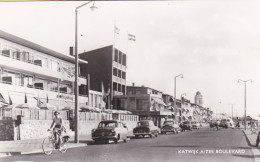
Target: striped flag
(131, 37)
(117, 30)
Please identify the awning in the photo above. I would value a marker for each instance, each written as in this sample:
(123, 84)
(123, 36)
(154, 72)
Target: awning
(159, 101)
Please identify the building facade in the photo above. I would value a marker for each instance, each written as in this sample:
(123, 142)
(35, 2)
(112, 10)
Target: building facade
(39, 72)
(146, 102)
(107, 68)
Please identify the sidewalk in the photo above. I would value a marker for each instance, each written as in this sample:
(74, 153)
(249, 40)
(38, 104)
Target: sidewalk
(30, 146)
(251, 137)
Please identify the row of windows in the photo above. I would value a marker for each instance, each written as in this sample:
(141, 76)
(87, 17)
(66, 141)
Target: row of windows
(20, 79)
(119, 87)
(119, 73)
(25, 56)
(120, 57)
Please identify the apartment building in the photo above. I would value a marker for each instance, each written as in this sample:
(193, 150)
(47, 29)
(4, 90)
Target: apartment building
(39, 72)
(107, 68)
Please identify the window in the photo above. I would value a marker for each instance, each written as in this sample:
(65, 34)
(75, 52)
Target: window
(114, 71)
(120, 57)
(114, 86)
(116, 55)
(27, 81)
(119, 73)
(124, 60)
(11, 78)
(123, 75)
(53, 86)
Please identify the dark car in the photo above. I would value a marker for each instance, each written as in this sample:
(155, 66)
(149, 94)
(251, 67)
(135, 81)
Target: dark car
(110, 130)
(186, 125)
(146, 127)
(170, 126)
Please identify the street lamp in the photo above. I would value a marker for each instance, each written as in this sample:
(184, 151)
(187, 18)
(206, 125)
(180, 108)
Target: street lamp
(76, 71)
(245, 96)
(180, 75)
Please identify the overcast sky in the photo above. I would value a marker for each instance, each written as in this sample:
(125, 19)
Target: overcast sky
(212, 43)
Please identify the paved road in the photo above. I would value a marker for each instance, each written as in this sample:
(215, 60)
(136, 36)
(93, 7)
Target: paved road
(201, 145)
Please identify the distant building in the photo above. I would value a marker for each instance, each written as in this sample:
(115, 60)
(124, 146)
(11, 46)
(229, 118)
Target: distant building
(108, 68)
(145, 102)
(198, 99)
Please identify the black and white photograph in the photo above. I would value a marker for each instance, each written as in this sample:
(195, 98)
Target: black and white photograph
(130, 81)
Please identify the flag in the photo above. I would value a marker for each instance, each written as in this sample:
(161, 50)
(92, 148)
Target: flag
(131, 37)
(25, 99)
(10, 101)
(67, 72)
(103, 90)
(116, 29)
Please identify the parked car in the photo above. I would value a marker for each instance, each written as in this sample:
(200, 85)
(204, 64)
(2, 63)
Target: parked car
(227, 123)
(195, 124)
(110, 130)
(146, 127)
(213, 123)
(170, 126)
(186, 125)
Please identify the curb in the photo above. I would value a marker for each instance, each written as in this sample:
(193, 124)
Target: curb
(6, 154)
(40, 150)
(36, 151)
(247, 140)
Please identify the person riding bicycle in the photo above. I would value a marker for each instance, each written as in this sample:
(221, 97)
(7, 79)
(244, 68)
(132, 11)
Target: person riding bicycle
(58, 128)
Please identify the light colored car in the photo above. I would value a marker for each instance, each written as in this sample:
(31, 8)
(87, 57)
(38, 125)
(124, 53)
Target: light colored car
(195, 125)
(146, 127)
(110, 130)
(170, 126)
(227, 123)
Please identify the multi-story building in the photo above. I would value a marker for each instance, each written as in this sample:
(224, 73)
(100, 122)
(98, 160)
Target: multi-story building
(106, 66)
(26, 67)
(145, 102)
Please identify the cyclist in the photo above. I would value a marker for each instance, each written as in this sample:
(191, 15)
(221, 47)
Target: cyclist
(58, 128)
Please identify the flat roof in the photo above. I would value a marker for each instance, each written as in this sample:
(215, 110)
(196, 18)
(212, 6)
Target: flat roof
(34, 46)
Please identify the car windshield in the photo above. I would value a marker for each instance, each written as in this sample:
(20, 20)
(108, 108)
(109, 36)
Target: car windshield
(107, 125)
(168, 123)
(143, 123)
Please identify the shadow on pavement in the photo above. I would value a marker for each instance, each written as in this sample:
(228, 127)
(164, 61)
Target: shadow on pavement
(245, 156)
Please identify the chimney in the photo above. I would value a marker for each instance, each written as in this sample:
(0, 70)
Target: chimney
(72, 51)
(133, 84)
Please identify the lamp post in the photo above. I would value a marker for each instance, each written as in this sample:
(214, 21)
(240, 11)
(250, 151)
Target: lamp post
(245, 96)
(175, 108)
(76, 71)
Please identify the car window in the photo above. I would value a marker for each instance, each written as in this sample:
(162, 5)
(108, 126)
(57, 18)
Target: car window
(168, 123)
(107, 125)
(143, 123)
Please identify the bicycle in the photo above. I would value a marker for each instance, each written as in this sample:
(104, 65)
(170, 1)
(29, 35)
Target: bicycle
(51, 143)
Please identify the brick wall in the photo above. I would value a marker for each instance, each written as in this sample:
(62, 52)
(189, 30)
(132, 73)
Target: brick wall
(33, 129)
(7, 130)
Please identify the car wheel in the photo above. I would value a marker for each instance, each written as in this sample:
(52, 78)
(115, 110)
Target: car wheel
(117, 139)
(136, 136)
(125, 140)
(151, 135)
(156, 135)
